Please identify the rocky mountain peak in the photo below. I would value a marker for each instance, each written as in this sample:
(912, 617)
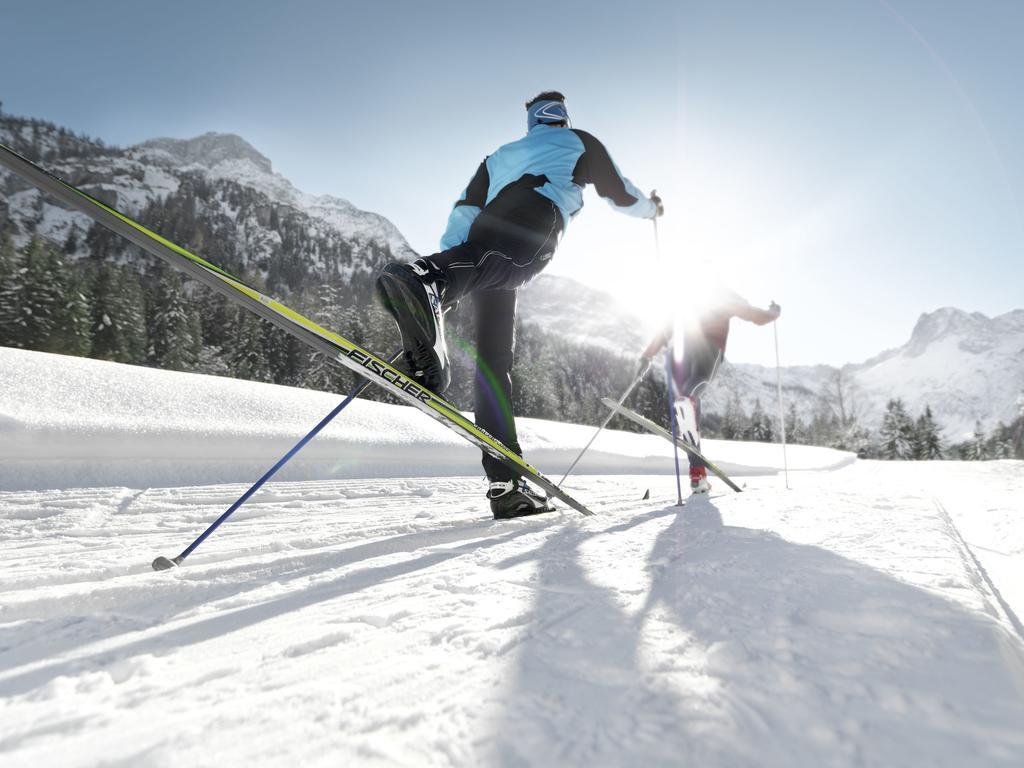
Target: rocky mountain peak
(207, 150)
(942, 323)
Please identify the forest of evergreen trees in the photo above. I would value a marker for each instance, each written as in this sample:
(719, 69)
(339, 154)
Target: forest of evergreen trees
(900, 438)
(904, 438)
(97, 308)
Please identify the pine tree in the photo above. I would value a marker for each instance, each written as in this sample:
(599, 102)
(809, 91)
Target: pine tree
(246, 354)
(760, 426)
(1000, 444)
(118, 316)
(858, 440)
(71, 243)
(38, 301)
(927, 438)
(174, 330)
(534, 379)
(9, 261)
(74, 332)
(287, 357)
(897, 432)
(796, 432)
(213, 362)
(734, 424)
(823, 429)
(320, 372)
(11, 277)
(978, 449)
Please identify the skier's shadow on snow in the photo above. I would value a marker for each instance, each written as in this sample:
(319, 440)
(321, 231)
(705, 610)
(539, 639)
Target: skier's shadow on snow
(751, 650)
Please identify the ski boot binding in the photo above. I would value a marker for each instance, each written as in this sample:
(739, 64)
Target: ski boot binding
(414, 294)
(514, 498)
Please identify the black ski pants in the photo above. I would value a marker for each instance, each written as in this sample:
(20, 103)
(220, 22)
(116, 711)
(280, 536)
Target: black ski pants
(509, 243)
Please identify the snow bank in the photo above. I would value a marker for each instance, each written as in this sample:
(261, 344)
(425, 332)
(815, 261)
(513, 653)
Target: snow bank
(70, 422)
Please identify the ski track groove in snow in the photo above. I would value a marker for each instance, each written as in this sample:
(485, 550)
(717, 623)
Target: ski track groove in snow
(998, 607)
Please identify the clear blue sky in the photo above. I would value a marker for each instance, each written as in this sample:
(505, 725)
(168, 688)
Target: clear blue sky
(860, 162)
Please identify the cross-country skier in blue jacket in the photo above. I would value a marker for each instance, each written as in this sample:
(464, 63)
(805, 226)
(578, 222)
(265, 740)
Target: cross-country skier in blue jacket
(502, 232)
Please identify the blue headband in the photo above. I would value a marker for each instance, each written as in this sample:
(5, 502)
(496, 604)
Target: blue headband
(546, 112)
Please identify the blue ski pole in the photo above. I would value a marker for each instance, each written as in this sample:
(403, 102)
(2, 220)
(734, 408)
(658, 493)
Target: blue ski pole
(162, 563)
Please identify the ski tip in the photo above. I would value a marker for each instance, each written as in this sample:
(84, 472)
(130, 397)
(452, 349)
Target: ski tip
(163, 564)
(647, 495)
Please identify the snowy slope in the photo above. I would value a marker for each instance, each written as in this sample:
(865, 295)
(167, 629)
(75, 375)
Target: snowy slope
(867, 617)
(67, 422)
(387, 622)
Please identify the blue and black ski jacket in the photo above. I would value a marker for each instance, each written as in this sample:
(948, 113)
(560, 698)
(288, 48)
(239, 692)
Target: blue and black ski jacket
(556, 163)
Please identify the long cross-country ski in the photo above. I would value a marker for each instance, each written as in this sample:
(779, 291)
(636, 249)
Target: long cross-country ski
(650, 426)
(337, 348)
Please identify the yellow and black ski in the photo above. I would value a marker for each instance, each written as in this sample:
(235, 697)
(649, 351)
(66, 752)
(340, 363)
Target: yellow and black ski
(337, 348)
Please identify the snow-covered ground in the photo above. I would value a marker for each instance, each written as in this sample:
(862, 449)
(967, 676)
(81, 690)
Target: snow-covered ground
(69, 422)
(867, 616)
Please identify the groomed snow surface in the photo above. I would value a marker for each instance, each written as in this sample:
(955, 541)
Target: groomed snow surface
(368, 612)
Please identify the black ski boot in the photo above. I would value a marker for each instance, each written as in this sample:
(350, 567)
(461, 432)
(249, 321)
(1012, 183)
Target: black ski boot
(514, 498)
(414, 294)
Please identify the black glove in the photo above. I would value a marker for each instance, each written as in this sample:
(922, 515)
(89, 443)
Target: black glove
(659, 208)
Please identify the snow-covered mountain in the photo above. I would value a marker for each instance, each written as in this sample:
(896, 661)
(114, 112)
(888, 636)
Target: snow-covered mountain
(230, 157)
(581, 314)
(133, 178)
(966, 366)
(227, 183)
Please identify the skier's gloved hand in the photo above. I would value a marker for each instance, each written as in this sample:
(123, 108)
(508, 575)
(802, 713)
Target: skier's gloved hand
(775, 309)
(659, 208)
